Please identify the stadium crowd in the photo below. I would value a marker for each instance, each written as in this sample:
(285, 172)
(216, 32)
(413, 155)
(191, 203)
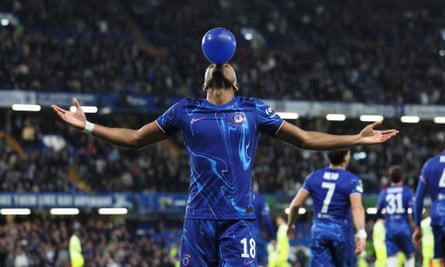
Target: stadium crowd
(43, 242)
(353, 51)
(164, 167)
(362, 51)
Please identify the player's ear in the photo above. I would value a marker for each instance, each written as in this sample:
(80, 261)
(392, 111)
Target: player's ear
(235, 86)
(207, 77)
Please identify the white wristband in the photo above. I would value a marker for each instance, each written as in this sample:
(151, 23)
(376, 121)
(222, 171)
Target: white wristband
(89, 126)
(361, 234)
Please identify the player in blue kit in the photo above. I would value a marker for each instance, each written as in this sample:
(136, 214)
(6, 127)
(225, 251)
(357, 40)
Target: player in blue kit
(432, 179)
(396, 201)
(336, 194)
(220, 134)
(263, 224)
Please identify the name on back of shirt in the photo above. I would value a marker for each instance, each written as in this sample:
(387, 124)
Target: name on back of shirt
(330, 175)
(393, 190)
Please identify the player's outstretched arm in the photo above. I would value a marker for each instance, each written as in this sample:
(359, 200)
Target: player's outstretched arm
(324, 141)
(123, 137)
(294, 206)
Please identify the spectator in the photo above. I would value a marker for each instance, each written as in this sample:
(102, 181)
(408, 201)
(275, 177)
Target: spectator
(21, 259)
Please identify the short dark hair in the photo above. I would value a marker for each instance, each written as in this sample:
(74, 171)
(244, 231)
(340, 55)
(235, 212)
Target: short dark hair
(395, 173)
(337, 156)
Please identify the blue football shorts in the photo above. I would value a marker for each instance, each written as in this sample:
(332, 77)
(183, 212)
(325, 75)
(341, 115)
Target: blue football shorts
(331, 245)
(399, 241)
(218, 243)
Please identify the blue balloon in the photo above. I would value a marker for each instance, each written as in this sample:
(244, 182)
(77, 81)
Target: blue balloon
(218, 45)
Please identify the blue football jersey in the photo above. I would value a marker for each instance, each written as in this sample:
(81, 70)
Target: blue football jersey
(396, 201)
(221, 141)
(432, 179)
(330, 189)
(332, 230)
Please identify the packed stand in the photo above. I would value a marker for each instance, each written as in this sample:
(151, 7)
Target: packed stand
(37, 171)
(279, 168)
(370, 52)
(43, 168)
(312, 50)
(40, 241)
(362, 51)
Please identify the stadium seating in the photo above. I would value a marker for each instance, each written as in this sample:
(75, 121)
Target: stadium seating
(352, 51)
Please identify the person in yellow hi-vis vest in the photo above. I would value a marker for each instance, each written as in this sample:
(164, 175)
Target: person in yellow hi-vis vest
(272, 253)
(279, 250)
(428, 244)
(75, 248)
(378, 240)
(361, 260)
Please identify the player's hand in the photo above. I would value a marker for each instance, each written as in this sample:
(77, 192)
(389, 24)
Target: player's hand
(417, 237)
(360, 244)
(291, 231)
(369, 135)
(77, 119)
